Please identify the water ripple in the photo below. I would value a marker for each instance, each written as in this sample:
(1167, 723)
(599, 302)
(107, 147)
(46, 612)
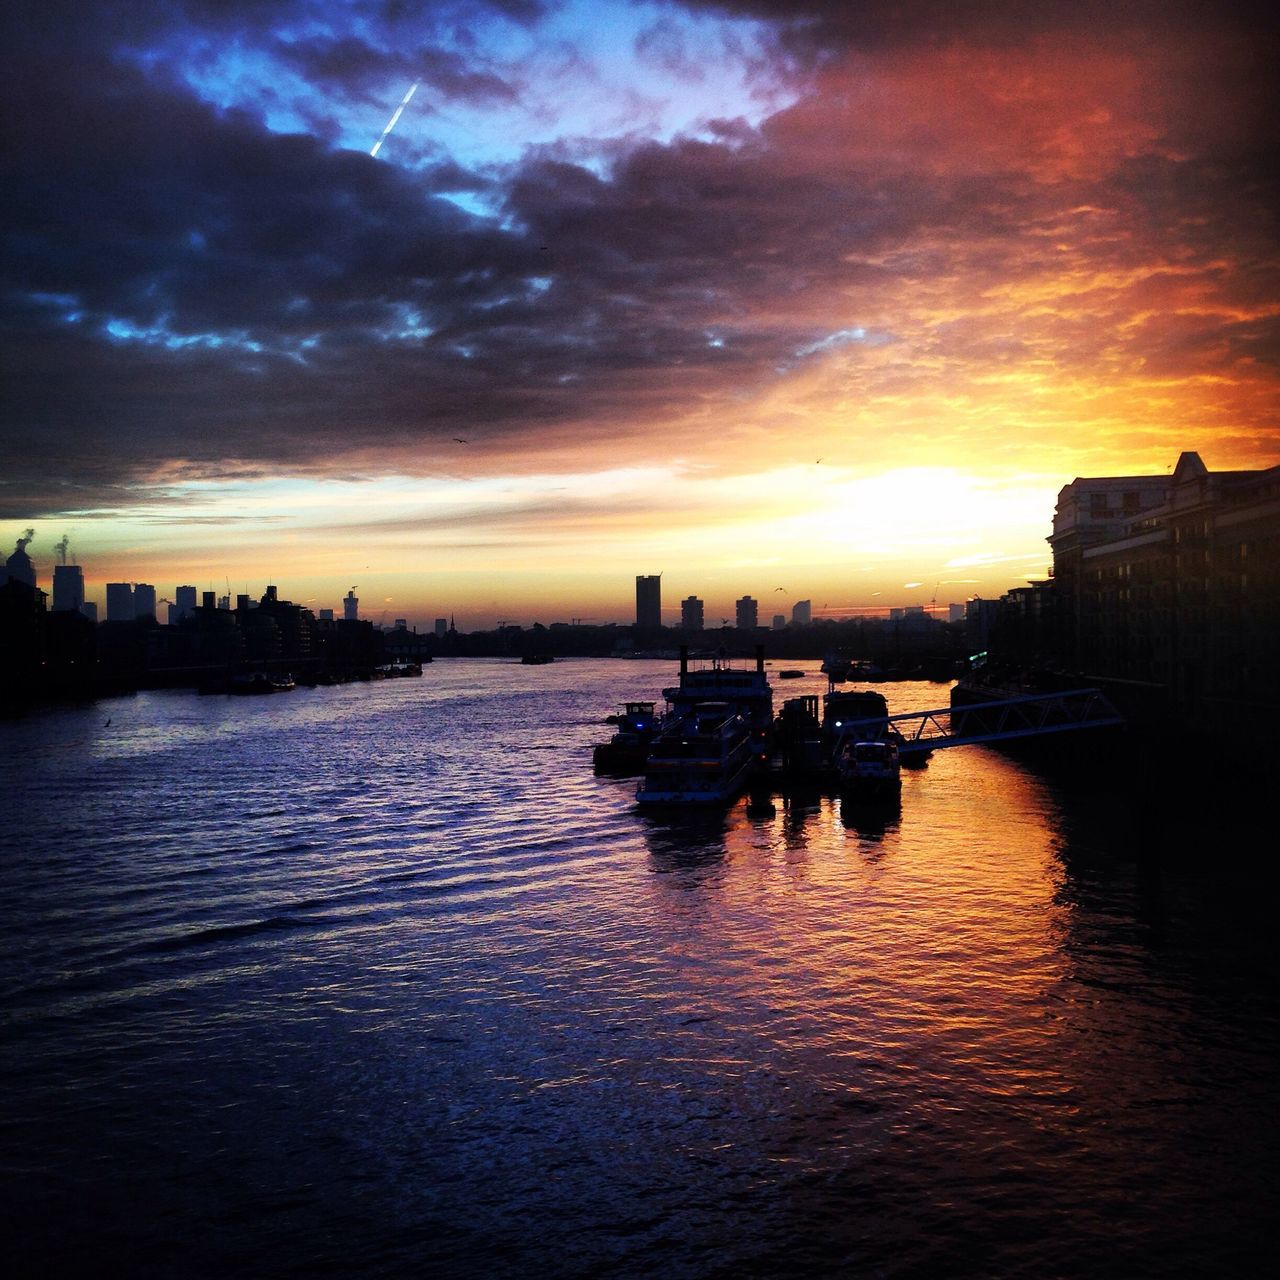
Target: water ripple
(380, 978)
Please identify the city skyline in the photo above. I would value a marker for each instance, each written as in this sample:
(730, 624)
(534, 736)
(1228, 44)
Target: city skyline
(718, 612)
(737, 289)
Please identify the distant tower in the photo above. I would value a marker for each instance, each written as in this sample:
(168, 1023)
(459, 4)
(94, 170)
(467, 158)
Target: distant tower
(144, 600)
(802, 613)
(442, 626)
(184, 601)
(68, 581)
(119, 602)
(649, 601)
(691, 614)
(351, 606)
(326, 615)
(68, 588)
(19, 564)
(779, 621)
(748, 614)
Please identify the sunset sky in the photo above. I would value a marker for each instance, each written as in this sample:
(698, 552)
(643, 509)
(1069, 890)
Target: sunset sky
(822, 295)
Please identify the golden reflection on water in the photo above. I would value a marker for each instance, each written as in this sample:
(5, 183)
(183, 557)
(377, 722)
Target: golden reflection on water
(931, 932)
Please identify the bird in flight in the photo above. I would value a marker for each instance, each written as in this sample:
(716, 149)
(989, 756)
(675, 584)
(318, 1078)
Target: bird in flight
(779, 588)
(460, 440)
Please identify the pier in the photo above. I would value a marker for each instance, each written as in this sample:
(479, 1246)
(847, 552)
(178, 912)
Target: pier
(1003, 720)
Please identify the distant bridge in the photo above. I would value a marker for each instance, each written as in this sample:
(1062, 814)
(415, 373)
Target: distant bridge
(998, 721)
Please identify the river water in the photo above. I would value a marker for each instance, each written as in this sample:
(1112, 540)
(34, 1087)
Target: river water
(380, 980)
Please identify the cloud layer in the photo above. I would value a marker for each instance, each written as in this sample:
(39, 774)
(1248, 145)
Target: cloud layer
(894, 233)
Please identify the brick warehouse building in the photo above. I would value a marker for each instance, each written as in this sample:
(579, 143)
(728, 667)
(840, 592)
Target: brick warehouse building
(1168, 590)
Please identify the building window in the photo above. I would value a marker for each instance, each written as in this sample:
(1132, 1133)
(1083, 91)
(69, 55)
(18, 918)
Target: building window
(1132, 502)
(1097, 504)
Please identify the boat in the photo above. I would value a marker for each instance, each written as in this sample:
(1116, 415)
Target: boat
(625, 753)
(251, 683)
(790, 673)
(870, 768)
(536, 659)
(400, 670)
(745, 691)
(283, 683)
(702, 757)
(842, 708)
(835, 666)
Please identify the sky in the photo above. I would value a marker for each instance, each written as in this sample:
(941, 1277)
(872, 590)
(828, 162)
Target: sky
(824, 296)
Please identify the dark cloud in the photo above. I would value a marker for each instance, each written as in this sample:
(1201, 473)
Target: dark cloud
(189, 294)
(885, 23)
(363, 71)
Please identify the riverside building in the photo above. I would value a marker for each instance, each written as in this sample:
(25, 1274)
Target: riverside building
(1169, 588)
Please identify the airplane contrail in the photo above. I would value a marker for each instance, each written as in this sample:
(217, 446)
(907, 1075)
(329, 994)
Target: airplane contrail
(399, 111)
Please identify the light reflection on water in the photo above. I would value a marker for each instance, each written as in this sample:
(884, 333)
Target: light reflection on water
(380, 977)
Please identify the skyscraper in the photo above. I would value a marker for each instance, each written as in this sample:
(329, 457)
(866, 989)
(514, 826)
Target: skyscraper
(442, 626)
(691, 614)
(779, 621)
(68, 588)
(144, 600)
(649, 601)
(184, 600)
(802, 613)
(119, 602)
(351, 606)
(748, 615)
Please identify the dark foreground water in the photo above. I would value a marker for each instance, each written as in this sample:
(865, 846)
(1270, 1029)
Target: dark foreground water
(379, 980)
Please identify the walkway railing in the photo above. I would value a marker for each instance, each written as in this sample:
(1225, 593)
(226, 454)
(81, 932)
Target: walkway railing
(999, 721)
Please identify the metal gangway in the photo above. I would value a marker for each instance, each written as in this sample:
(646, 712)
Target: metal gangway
(996, 721)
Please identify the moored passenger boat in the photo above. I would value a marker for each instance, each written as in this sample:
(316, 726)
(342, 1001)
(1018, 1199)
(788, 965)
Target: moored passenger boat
(744, 690)
(702, 757)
